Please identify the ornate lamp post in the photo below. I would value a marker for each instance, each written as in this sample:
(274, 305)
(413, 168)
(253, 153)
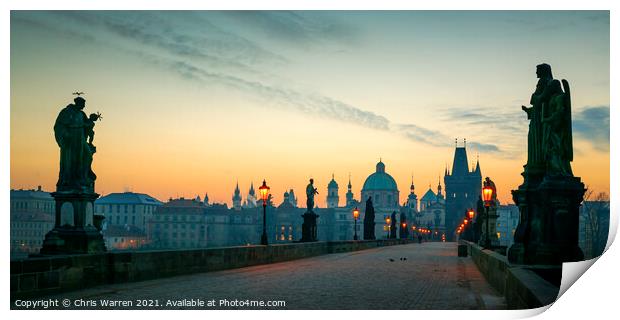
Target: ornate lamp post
(487, 196)
(356, 214)
(264, 193)
(389, 225)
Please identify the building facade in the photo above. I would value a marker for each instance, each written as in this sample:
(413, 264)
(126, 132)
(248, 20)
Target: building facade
(32, 216)
(178, 224)
(506, 224)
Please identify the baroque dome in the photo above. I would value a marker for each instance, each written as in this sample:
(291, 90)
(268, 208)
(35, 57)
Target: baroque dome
(380, 180)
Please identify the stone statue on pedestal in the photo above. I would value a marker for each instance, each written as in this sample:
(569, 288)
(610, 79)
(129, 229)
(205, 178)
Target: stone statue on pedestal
(369, 220)
(309, 231)
(76, 227)
(393, 226)
(550, 196)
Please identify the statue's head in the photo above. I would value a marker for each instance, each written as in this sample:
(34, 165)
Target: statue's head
(311, 181)
(543, 70)
(80, 102)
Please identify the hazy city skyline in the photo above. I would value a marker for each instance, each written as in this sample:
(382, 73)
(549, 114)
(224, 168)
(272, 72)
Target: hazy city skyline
(195, 101)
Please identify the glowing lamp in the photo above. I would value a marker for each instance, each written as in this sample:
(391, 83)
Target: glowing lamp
(487, 195)
(264, 192)
(471, 213)
(356, 213)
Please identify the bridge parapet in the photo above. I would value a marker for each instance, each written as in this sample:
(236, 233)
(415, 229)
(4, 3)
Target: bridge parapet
(523, 286)
(46, 275)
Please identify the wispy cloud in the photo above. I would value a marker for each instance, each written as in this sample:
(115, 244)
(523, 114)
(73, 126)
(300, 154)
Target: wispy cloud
(592, 124)
(216, 57)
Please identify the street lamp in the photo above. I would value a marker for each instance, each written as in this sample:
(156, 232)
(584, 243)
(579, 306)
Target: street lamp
(356, 214)
(487, 195)
(471, 213)
(388, 220)
(264, 193)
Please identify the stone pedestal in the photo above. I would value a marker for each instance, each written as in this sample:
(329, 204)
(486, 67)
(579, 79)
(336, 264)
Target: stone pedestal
(75, 229)
(548, 230)
(308, 227)
(492, 221)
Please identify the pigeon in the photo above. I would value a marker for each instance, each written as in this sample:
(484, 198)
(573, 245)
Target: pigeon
(391, 260)
(405, 259)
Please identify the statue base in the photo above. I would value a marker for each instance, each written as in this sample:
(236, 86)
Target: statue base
(548, 230)
(75, 230)
(309, 228)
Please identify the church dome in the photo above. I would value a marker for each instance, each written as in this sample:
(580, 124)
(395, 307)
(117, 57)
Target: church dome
(380, 180)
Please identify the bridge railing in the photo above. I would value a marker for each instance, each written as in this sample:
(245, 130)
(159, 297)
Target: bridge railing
(40, 276)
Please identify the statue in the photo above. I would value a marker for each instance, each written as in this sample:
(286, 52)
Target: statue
(393, 226)
(369, 221)
(310, 192)
(538, 99)
(309, 229)
(71, 130)
(557, 131)
(77, 230)
(550, 196)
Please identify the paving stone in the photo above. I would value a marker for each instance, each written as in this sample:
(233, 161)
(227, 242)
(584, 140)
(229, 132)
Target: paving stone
(432, 277)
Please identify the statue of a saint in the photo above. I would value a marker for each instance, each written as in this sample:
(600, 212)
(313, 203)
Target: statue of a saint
(71, 130)
(310, 192)
(557, 131)
(369, 220)
(539, 98)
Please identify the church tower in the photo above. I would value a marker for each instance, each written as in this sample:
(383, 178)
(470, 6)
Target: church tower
(350, 200)
(251, 198)
(332, 194)
(237, 198)
(412, 199)
(463, 187)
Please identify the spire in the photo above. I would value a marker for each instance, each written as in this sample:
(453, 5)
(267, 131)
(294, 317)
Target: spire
(237, 188)
(412, 186)
(349, 185)
(477, 170)
(252, 192)
(439, 185)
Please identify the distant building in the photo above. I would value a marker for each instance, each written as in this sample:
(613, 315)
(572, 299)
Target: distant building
(250, 201)
(124, 237)
(384, 192)
(432, 213)
(332, 194)
(236, 198)
(462, 189)
(178, 223)
(593, 227)
(506, 224)
(32, 216)
(127, 211)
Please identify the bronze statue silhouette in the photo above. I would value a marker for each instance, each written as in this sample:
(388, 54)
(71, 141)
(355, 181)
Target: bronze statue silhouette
(310, 192)
(369, 220)
(557, 139)
(539, 98)
(71, 130)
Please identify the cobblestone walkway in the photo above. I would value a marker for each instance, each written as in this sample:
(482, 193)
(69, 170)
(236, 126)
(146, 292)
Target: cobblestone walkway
(431, 277)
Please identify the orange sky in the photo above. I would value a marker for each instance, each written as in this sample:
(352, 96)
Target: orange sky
(195, 102)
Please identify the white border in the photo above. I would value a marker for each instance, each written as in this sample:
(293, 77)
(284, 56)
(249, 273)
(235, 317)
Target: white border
(591, 296)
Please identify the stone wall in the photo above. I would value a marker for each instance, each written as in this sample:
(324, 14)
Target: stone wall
(521, 285)
(42, 276)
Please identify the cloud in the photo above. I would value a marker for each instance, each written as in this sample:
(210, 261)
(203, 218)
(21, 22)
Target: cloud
(196, 49)
(592, 124)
